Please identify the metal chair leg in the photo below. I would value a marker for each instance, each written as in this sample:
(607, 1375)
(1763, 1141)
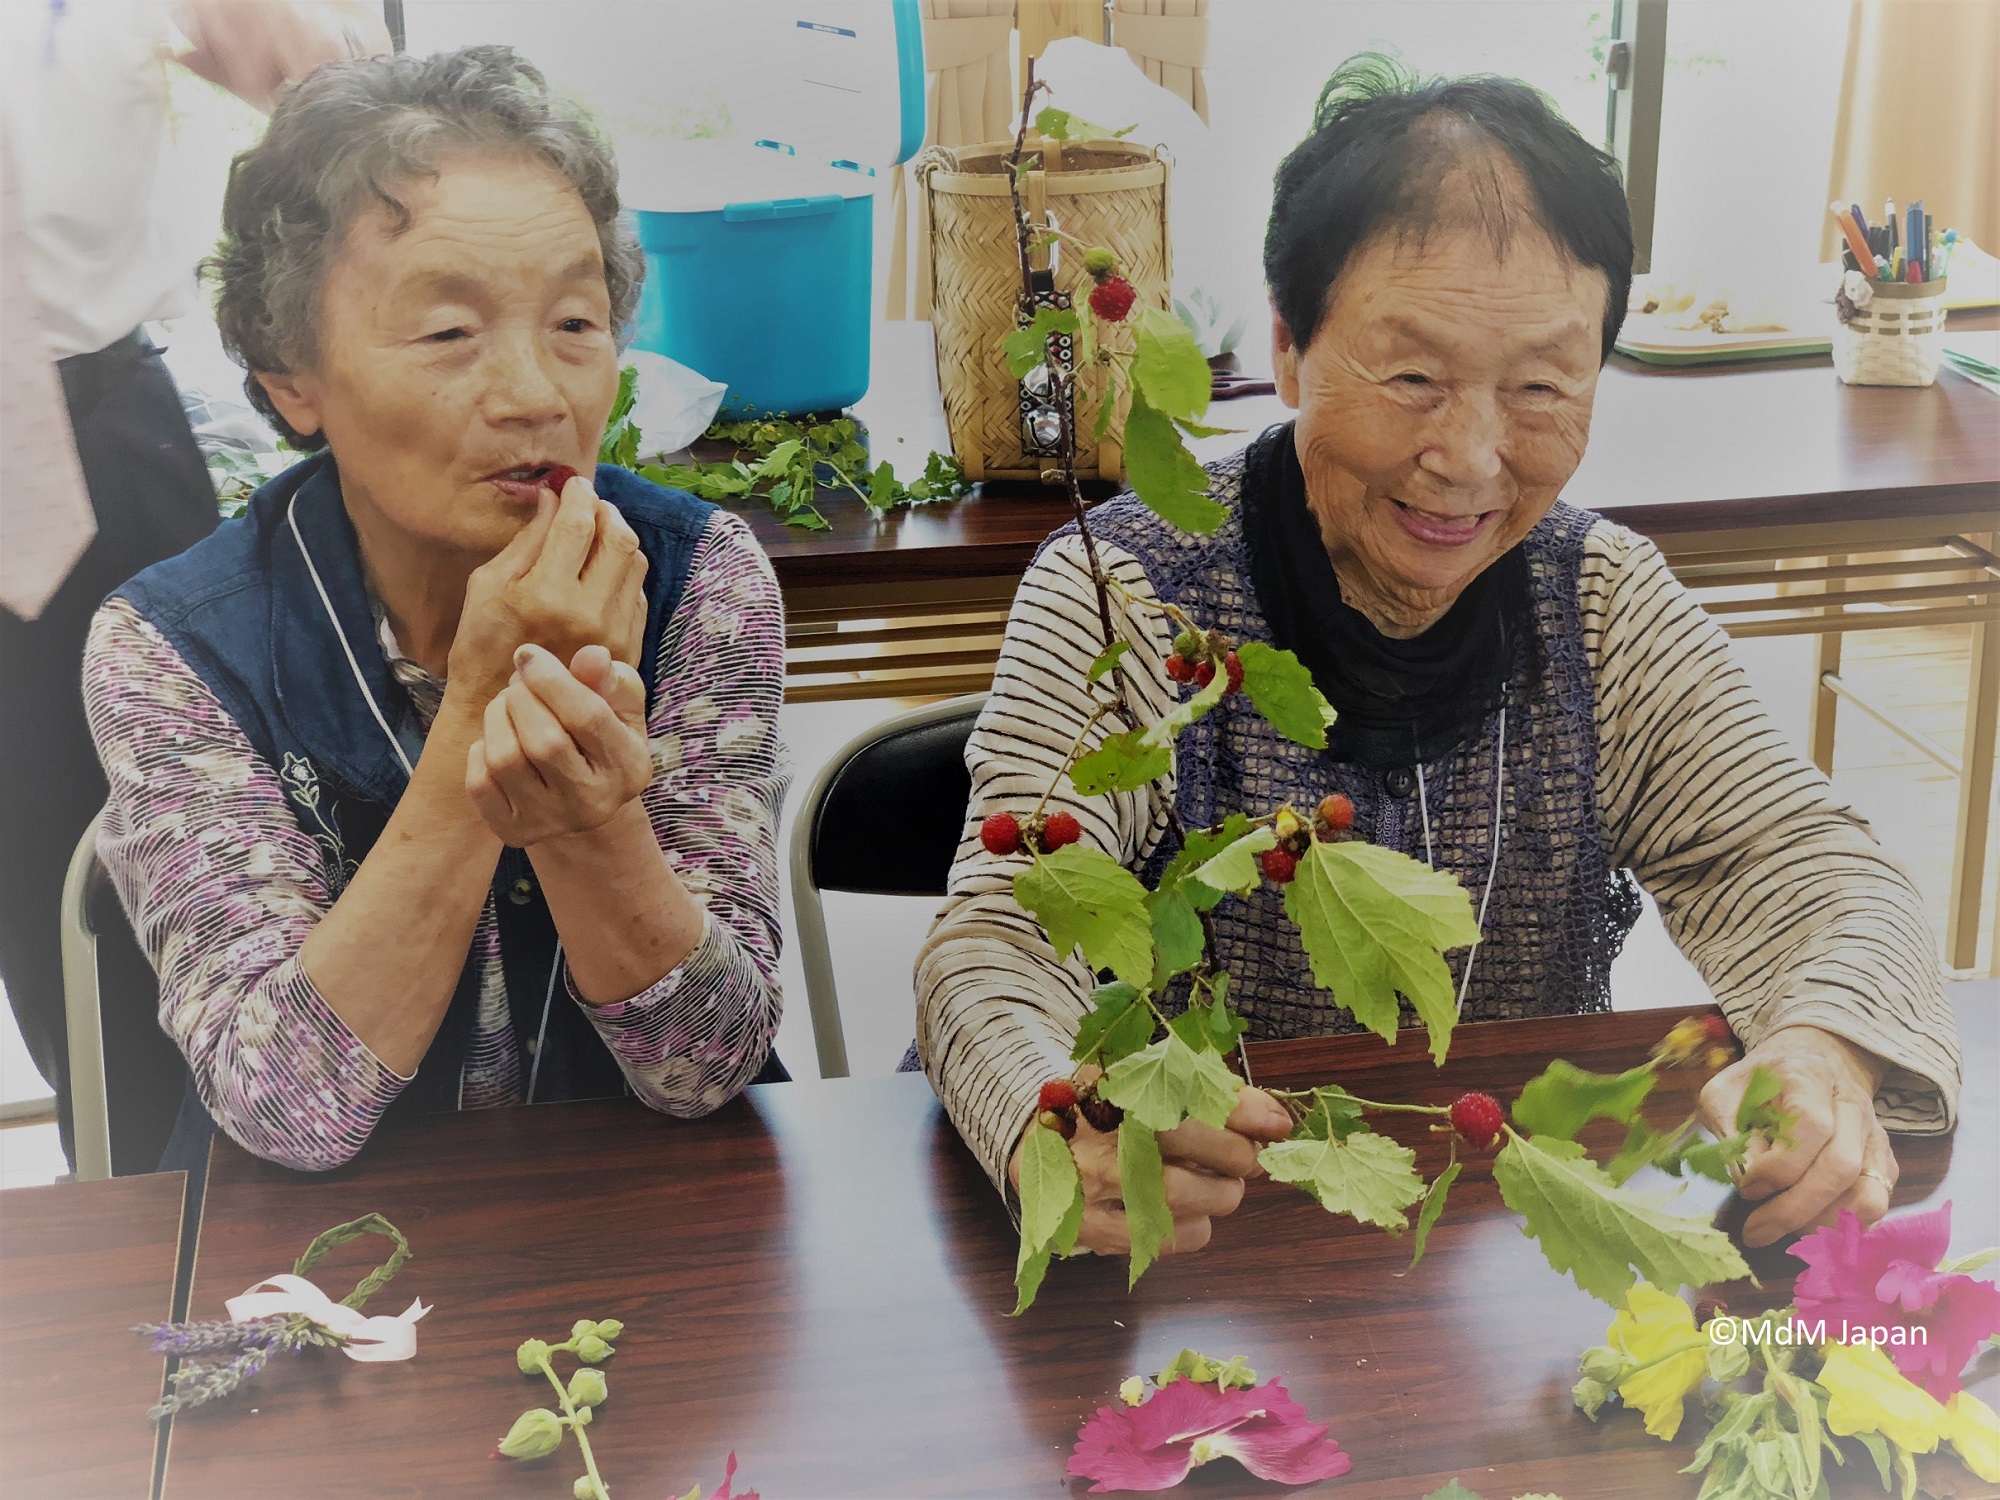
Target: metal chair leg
(89, 1107)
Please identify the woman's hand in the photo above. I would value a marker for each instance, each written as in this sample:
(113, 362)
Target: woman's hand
(572, 577)
(1840, 1155)
(564, 748)
(1205, 1172)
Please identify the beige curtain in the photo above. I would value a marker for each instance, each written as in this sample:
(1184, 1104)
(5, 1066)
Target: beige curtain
(1920, 115)
(1168, 39)
(1045, 21)
(970, 100)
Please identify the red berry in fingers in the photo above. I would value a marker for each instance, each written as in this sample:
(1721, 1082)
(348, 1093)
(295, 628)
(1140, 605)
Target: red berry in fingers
(1178, 668)
(557, 476)
(1477, 1119)
(1235, 669)
(1059, 829)
(1058, 1094)
(1336, 810)
(1112, 298)
(1001, 833)
(1278, 865)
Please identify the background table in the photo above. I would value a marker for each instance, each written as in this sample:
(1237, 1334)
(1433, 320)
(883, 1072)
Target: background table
(818, 1277)
(80, 1264)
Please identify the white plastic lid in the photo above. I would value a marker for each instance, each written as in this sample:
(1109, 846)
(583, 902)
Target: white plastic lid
(691, 177)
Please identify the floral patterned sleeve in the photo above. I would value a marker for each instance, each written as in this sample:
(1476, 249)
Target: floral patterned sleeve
(692, 1040)
(222, 888)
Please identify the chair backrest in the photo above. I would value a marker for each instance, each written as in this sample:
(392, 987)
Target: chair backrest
(883, 817)
(90, 1112)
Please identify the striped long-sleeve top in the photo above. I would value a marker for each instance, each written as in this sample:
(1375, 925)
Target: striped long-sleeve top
(1773, 887)
(223, 887)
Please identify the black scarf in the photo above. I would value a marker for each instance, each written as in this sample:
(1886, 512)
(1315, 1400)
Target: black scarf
(1399, 701)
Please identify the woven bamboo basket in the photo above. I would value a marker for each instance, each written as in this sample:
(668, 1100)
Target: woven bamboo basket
(1897, 339)
(1108, 193)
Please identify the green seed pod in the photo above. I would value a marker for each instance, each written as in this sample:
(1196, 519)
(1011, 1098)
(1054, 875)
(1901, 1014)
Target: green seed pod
(535, 1434)
(531, 1355)
(593, 1350)
(1604, 1365)
(583, 1328)
(587, 1387)
(1099, 261)
(609, 1328)
(586, 1488)
(1190, 645)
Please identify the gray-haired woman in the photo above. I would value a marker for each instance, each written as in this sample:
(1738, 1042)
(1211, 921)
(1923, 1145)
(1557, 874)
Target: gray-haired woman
(1527, 697)
(383, 807)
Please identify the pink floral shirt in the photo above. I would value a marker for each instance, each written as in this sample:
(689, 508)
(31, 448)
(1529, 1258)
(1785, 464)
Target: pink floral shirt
(223, 886)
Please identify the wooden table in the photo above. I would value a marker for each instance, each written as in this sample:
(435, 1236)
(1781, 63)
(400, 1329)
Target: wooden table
(80, 1264)
(818, 1277)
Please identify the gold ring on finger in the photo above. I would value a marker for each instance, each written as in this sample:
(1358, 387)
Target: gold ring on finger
(1871, 1172)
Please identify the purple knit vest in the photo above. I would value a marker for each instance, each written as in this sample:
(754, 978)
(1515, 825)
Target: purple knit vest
(1558, 914)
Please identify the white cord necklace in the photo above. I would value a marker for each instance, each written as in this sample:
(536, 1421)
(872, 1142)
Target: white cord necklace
(1493, 861)
(326, 603)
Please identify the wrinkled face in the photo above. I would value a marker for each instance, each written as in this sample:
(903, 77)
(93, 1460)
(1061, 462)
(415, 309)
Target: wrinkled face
(1443, 403)
(461, 356)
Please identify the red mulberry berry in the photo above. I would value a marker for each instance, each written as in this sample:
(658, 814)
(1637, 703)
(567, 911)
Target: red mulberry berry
(1178, 668)
(1060, 829)
(1278, 865)
(1235, 670)
(1204, 673)
(1112, 298)
(1001, 834)
(1058, 1094)
(1336, 810)
(1715, 1031)
(1477, 1119)
(557, 476)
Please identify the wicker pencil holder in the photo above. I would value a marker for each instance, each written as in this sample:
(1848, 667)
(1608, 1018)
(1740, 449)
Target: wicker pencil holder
(1108, 193)
(1889, 333)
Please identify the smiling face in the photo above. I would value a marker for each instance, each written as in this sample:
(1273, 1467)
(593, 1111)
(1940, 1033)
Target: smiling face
(1443, 402)
(460, 357)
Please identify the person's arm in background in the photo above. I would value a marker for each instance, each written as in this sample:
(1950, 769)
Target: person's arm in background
(1811, 937)
(997, 1012)
(253, 47)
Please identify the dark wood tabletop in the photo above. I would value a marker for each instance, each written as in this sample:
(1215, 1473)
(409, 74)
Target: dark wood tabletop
(1674, 454)
(80, 1264)
(818, 1277)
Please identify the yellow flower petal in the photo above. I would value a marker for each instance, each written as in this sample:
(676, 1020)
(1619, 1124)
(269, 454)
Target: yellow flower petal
(1650, 1327)
(1973, 1430)
(1869, 1394)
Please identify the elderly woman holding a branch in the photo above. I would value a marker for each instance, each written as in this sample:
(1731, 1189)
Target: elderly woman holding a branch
(1526, 698)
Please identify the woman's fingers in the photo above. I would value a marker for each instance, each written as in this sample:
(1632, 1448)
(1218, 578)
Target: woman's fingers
(1105, 1232)
(1201, 1194)
(505, 760)
(553, 754)
(606, 728)
(488, 796)
(1259, 1116)
(571, 534)
(1868, 1198)
(1832, 1170)
(1194, 1144)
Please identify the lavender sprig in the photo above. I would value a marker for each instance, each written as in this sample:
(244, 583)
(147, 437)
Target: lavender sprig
(197, 1382)
(215, 1336)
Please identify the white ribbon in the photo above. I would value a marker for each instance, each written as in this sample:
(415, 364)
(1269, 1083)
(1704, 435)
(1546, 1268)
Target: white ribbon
(371, 1340)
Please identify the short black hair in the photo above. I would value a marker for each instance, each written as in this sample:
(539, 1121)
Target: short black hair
(1383, 142)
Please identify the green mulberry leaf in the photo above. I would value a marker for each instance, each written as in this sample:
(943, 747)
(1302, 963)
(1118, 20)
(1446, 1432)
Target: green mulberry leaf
(1178, 941)
(1028, 347)
(1433, 1208)
(1367, 1176)
(1106, 660)
(1085, 899)
(1169, 368)
(1599, 1233)
(1283, 692)
(1123, 763)
(1168, 1082)
(1235, 868)
(1375, 923)
(1565, 1098)
(1164, 474)
(1142, 1184)
(1116, 1026)
(1051, 1209)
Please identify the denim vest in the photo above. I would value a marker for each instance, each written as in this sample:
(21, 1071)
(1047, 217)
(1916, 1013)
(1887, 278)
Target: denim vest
(246, 612)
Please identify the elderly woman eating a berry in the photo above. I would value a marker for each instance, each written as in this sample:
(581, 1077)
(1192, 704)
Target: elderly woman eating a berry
(1526, 697)
(445, 777)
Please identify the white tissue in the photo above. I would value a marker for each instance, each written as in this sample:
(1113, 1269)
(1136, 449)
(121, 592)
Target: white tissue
(671, 404)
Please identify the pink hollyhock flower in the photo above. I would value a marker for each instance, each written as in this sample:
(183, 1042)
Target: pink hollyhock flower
(1183, 1425)
(1887, 1276)
(728, 1478)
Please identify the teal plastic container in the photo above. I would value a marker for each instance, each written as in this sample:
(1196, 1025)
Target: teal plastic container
(770, 297)
(760, 256)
